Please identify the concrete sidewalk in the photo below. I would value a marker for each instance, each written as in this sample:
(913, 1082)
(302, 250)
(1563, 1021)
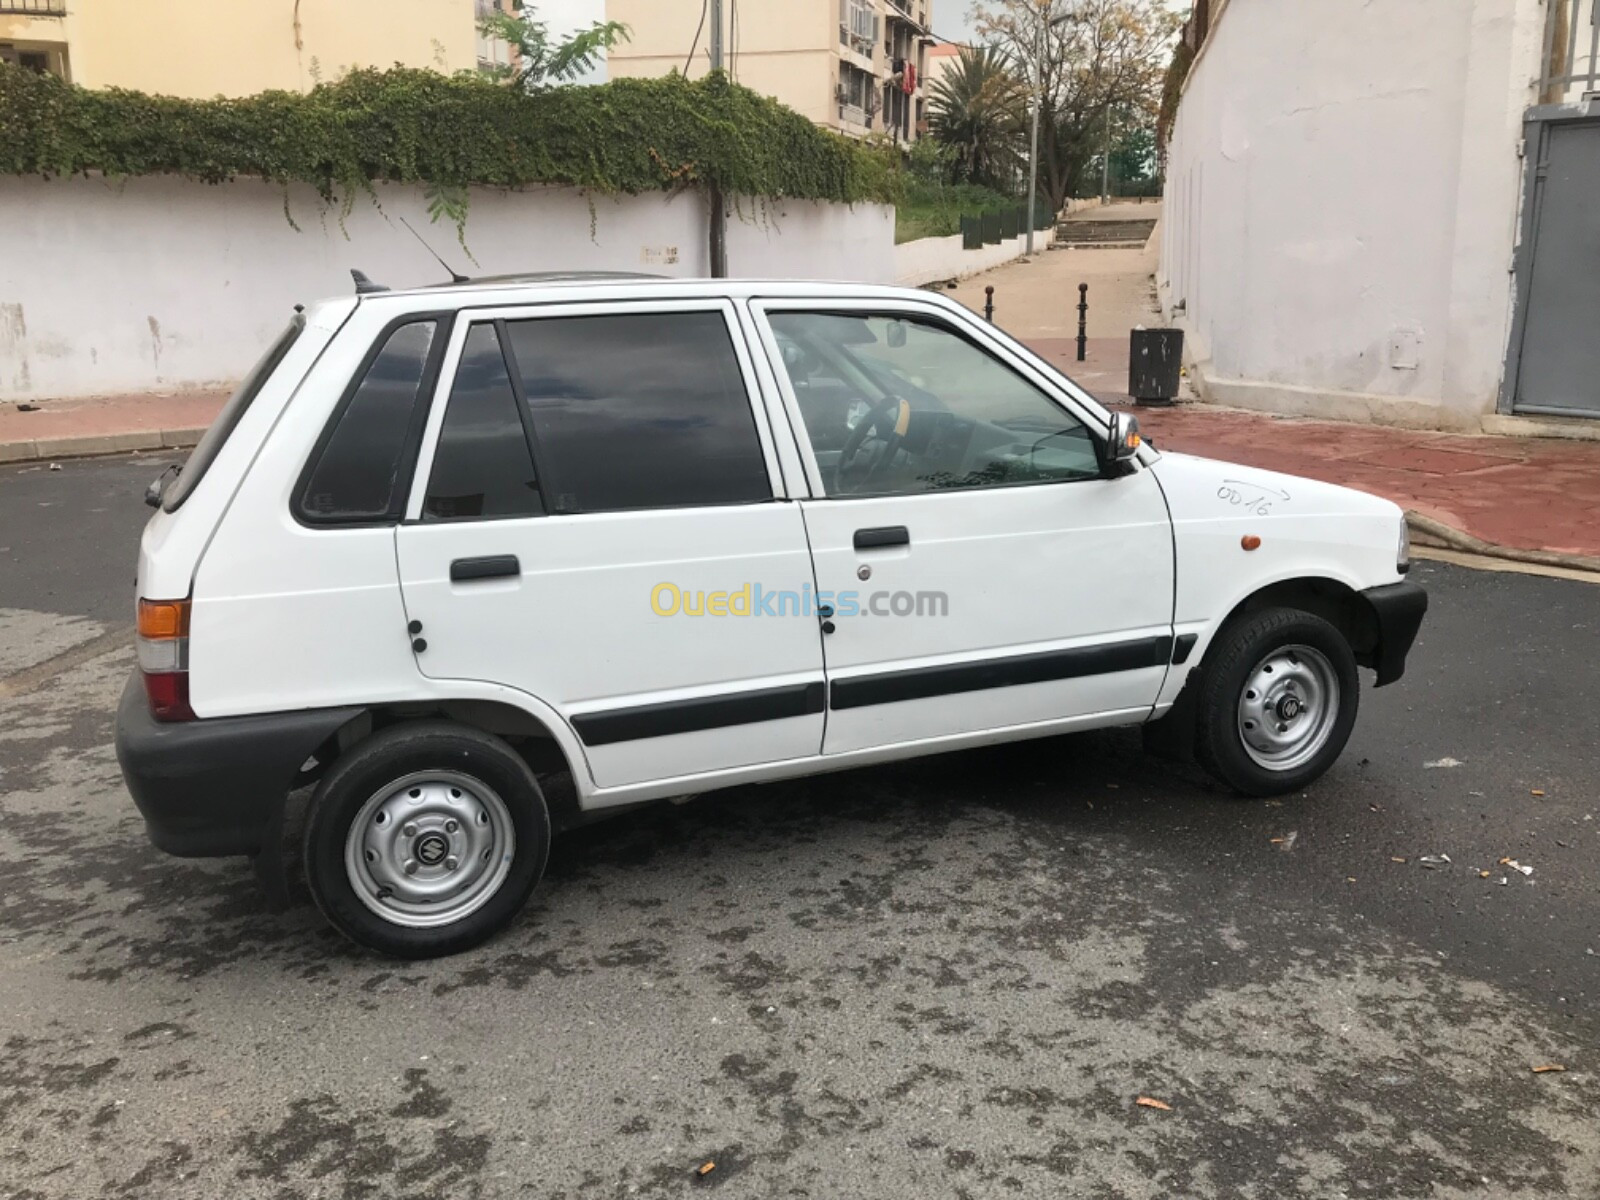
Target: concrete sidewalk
(105, 425)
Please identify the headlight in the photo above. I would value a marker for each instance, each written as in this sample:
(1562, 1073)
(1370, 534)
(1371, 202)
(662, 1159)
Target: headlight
(1402, 562)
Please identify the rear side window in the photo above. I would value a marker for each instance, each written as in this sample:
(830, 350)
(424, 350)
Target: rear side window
(638, 411)
(482, 467)
(359, 470)
(212, 441)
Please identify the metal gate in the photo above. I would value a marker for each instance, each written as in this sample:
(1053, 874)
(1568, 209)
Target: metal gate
(1554, 364)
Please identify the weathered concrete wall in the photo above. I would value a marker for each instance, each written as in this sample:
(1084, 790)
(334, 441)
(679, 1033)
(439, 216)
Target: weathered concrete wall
(928, 259)
(1341, 205)
(156, 284)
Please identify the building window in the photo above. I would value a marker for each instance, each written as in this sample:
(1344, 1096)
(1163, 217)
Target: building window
(494, 55)
(858, 26)
(44, 57)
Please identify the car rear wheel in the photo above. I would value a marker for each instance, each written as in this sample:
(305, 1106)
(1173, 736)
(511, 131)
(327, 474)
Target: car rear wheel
(426, 839)
(1278, 699)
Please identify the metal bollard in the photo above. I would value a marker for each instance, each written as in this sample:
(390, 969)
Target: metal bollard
(1083, 319)
(988, 304)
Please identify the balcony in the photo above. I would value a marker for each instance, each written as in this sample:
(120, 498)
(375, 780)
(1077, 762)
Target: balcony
(33, 8)
(915, 15)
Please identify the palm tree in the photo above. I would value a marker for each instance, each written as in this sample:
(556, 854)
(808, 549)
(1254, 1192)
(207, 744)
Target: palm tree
(979, 110)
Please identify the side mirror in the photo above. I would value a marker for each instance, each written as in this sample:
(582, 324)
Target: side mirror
(1122, 443)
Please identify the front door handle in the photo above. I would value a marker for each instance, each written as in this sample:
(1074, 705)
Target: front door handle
(878, 539)
(493, 566)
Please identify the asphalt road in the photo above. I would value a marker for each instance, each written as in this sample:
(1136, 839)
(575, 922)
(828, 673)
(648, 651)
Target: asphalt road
(947, 978)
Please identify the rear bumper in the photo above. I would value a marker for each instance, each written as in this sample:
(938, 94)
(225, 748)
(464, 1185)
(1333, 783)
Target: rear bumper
(1399, 609)
(215, 787)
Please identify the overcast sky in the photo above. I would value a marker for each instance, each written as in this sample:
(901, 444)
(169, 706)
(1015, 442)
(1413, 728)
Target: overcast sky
(952, 19)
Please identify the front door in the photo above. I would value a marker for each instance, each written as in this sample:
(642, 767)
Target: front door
(595, 507)
(980, 571)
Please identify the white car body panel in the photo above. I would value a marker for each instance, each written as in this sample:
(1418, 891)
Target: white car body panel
(170, 547)
(286, 616)
(1308, 530)
(284, 610)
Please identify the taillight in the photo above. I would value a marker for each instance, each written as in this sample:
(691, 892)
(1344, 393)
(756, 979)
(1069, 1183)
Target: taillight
(164, 658)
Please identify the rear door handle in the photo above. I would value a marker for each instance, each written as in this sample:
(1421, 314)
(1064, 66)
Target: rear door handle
(493, 566)
(877, 539)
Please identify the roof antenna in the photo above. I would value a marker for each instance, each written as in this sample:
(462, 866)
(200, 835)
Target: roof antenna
(365, 286)
(455, 276)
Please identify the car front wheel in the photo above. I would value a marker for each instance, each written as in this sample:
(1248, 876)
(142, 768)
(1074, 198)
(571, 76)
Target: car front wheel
(1278, 699)
(426, 839)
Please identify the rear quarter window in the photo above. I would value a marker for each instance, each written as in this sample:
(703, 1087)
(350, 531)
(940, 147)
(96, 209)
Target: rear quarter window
(360, 470)
(217, 434)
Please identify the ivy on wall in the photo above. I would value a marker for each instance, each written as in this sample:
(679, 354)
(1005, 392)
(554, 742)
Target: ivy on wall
(446, 132)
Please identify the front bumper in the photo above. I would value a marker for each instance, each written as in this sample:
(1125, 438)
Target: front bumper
(217, 786)
(1399, 609)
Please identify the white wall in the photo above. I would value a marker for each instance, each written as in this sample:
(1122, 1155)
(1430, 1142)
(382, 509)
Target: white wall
(1344, 176)
(161, 284)
(928, 259)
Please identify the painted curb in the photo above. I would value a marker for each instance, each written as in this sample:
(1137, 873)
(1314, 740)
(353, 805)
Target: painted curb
(94, 445)
(1429, 532)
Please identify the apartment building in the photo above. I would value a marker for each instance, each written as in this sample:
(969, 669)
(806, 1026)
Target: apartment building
(855, 66)
(199, 48)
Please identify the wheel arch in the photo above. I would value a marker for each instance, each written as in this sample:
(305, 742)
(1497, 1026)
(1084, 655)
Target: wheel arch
(534, 738)
(1334, 600)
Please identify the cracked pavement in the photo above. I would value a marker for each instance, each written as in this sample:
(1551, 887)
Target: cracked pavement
(952, 977)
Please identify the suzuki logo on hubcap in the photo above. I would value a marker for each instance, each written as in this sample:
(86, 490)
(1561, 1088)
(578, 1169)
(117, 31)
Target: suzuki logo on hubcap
(431, 849)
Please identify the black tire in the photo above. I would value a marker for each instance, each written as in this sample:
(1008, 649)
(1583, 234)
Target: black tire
(1232, 662)
(383, 761)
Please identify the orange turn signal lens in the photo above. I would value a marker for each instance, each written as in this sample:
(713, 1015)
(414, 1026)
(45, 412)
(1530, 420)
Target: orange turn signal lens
(163, 619)
(1250, 542)
(1134, 441)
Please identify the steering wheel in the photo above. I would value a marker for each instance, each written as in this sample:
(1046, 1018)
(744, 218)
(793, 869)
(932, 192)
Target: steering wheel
(884, 416)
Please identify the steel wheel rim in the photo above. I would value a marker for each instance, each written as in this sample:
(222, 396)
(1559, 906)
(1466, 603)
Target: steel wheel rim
(430, 849)
(1288, 707)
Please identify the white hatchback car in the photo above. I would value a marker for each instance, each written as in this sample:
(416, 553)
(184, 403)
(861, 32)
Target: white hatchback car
(666, 536)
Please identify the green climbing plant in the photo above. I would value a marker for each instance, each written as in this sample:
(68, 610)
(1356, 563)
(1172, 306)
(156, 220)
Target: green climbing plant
(540, 60)
(451, 133)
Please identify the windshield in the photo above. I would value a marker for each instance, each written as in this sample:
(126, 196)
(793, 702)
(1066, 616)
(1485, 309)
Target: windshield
(216, 436)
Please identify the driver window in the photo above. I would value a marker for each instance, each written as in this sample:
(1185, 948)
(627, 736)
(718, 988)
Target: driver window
(898, 405)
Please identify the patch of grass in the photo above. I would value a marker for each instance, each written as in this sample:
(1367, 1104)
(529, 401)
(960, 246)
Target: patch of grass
(932, 210)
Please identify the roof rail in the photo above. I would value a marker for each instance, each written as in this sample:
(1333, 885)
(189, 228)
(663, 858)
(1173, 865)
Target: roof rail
(551, 277)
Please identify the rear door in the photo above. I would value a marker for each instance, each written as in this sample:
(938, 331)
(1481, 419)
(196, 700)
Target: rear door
(599, 502)
(981, 572)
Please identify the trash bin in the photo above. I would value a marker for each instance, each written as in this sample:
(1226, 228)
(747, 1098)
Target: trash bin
(1155, 360)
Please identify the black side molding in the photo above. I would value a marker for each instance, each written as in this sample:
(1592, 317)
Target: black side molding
(1182, 648)
(877, 539)
(706, 712)
(495, 566)
(923, 682)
